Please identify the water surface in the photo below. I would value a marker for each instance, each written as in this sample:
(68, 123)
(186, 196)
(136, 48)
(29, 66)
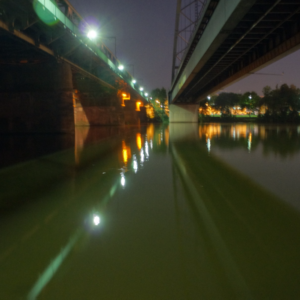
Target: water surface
(156, 212)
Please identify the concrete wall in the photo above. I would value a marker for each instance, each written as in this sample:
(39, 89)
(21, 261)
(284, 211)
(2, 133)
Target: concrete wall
(41, 77)
(91, 109)
(184, 113)
(36, 112)
(36, 98)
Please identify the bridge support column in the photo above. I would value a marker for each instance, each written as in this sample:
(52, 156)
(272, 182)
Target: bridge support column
(184, 113)
(95, 105)
(36, 98)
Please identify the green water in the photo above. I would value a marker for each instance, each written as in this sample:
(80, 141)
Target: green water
(184, 211)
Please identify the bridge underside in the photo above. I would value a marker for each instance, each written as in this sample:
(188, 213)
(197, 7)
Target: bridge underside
(51, 79)
(256, 34)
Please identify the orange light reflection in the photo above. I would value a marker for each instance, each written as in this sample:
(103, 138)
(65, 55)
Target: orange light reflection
(126, 152)
(139, 141)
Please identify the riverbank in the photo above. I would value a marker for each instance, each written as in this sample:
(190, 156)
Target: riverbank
(216, 119)
(251, 118)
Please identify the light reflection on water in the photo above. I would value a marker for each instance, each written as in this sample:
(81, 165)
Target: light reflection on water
(183, 209)
(274, 154)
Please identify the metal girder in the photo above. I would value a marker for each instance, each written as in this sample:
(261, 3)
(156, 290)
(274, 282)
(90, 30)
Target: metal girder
(30, 24)
(185, 31)
(289, 46)
(72, 49)
(247, 50)
(58, 36)
(26, 38)
(256, 35)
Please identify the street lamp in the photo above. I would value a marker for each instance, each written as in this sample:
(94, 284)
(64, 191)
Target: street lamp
(134, 81)
(121, 67)
(141, 88)
(96, 220)
(92, 34)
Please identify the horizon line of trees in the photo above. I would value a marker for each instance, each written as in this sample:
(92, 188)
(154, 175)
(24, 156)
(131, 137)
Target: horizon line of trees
(279, 104)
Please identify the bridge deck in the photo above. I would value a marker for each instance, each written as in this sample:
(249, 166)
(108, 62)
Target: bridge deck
(241, 37)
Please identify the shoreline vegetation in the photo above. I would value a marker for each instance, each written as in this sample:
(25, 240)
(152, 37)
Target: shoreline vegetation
(279, 105)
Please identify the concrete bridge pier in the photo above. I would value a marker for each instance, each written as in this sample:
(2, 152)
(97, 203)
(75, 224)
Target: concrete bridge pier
(52, 98)
(36, 97)
(184, 113)
(97, 105)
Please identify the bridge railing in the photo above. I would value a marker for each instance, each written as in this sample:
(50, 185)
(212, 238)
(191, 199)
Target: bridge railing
(58, 14)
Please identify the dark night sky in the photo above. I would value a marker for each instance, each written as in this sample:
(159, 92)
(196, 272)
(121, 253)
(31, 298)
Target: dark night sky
(144, 30)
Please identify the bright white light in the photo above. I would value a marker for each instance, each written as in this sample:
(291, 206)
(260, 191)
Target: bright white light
(249, 141)
(96, 220)
(135, 164)
(250, 97)
(121, 67)
(92, 34)
(142, 155)
(208, 145)
(146, 94)
(134, 81)
(151, 144)
(123, 180)
(208, 97)
(147, 150)
(141, 88)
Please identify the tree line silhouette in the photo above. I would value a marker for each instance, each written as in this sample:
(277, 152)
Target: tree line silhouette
(281, 104)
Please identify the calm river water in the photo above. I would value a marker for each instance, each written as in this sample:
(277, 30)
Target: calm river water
(175, 212)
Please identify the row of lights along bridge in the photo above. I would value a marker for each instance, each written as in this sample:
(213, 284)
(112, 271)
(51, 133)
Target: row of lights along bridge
(92, 35)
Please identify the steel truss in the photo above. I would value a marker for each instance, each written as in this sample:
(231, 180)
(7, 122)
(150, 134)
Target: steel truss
(187, 15)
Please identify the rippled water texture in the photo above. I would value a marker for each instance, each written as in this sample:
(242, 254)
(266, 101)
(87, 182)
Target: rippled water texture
(158, 212)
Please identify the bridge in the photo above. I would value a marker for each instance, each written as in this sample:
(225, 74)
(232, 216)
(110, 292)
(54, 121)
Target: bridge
(53, 77)
(218, 42)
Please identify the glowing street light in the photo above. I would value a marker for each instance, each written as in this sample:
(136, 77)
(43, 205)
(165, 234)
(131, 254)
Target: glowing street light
(96, 220)
(146, 94)
(92, 34)
(123, 180)
(208, 97)
(134, 81)
(141, 88)
(121, 67)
